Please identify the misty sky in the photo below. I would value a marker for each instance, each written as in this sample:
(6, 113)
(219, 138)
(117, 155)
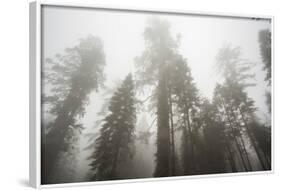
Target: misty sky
(121, 33)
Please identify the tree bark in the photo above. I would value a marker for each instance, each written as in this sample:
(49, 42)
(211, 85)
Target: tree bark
(231, 159)
(242, 141)
(173, 161)
(253, 141)
(163, 129)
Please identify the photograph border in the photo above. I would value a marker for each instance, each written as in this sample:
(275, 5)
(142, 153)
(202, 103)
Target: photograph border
(35, 59)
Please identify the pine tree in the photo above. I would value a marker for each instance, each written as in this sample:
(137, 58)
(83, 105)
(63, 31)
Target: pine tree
(262, 135)
(265, 50)
(152, 69)
(238, 109)
(187, 101)
(71, 77)
(162, 67)
(114, 144)
(232, 128)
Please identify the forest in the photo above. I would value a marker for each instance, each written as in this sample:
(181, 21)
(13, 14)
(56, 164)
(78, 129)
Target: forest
(155, 121)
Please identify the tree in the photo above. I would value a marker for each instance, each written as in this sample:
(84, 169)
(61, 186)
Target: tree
(66, 165)
(185, 96)
(71, 77)
(224, 101)
(237, 108)
(114, 144)
(265, 50)
(262, 136)
(152, 70)
(214, 139)
(163, 68)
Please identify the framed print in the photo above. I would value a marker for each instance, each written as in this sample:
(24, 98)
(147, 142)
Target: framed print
(120, 94)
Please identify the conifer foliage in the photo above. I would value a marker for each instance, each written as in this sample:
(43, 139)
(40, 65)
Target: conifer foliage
(265, 49)
(115, 142)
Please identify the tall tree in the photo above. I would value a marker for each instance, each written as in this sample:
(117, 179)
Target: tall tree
(232, 127)
(265, 50)
(162, 67)
(114, 144)
(262, 135)
(236, 73)
(152, 69)
(238, 108)
(185, 96)
(68, 80)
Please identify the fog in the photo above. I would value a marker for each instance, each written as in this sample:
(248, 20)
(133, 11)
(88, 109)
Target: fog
(200, 38)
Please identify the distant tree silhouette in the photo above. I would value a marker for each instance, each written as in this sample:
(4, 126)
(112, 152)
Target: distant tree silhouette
(265, 50)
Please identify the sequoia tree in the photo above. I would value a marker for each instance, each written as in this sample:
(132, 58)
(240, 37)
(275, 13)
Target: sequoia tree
(166, 71)
(68, 80)
(152, 69)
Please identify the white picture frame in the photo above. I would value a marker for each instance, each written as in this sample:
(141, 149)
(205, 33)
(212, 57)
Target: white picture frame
(35, 35)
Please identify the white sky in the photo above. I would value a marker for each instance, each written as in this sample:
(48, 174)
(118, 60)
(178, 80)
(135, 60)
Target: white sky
(121, 33)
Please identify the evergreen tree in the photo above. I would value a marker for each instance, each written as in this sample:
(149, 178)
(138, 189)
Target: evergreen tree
(238, 109)
(214, 139)
(262, 135)
(152, 69)
(185, 96)
(114, 144)
(232, 127)
(265, 50)
(70, 77)
(162, 67)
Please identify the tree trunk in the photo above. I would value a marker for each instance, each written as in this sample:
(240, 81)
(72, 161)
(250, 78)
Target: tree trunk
(163, 131)
(184, 147)
(230, 158)
(242, 141)
(191, 166)
(234, 136)
(253, 141)
(173, 161)
(114, 164)
(55, 139)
